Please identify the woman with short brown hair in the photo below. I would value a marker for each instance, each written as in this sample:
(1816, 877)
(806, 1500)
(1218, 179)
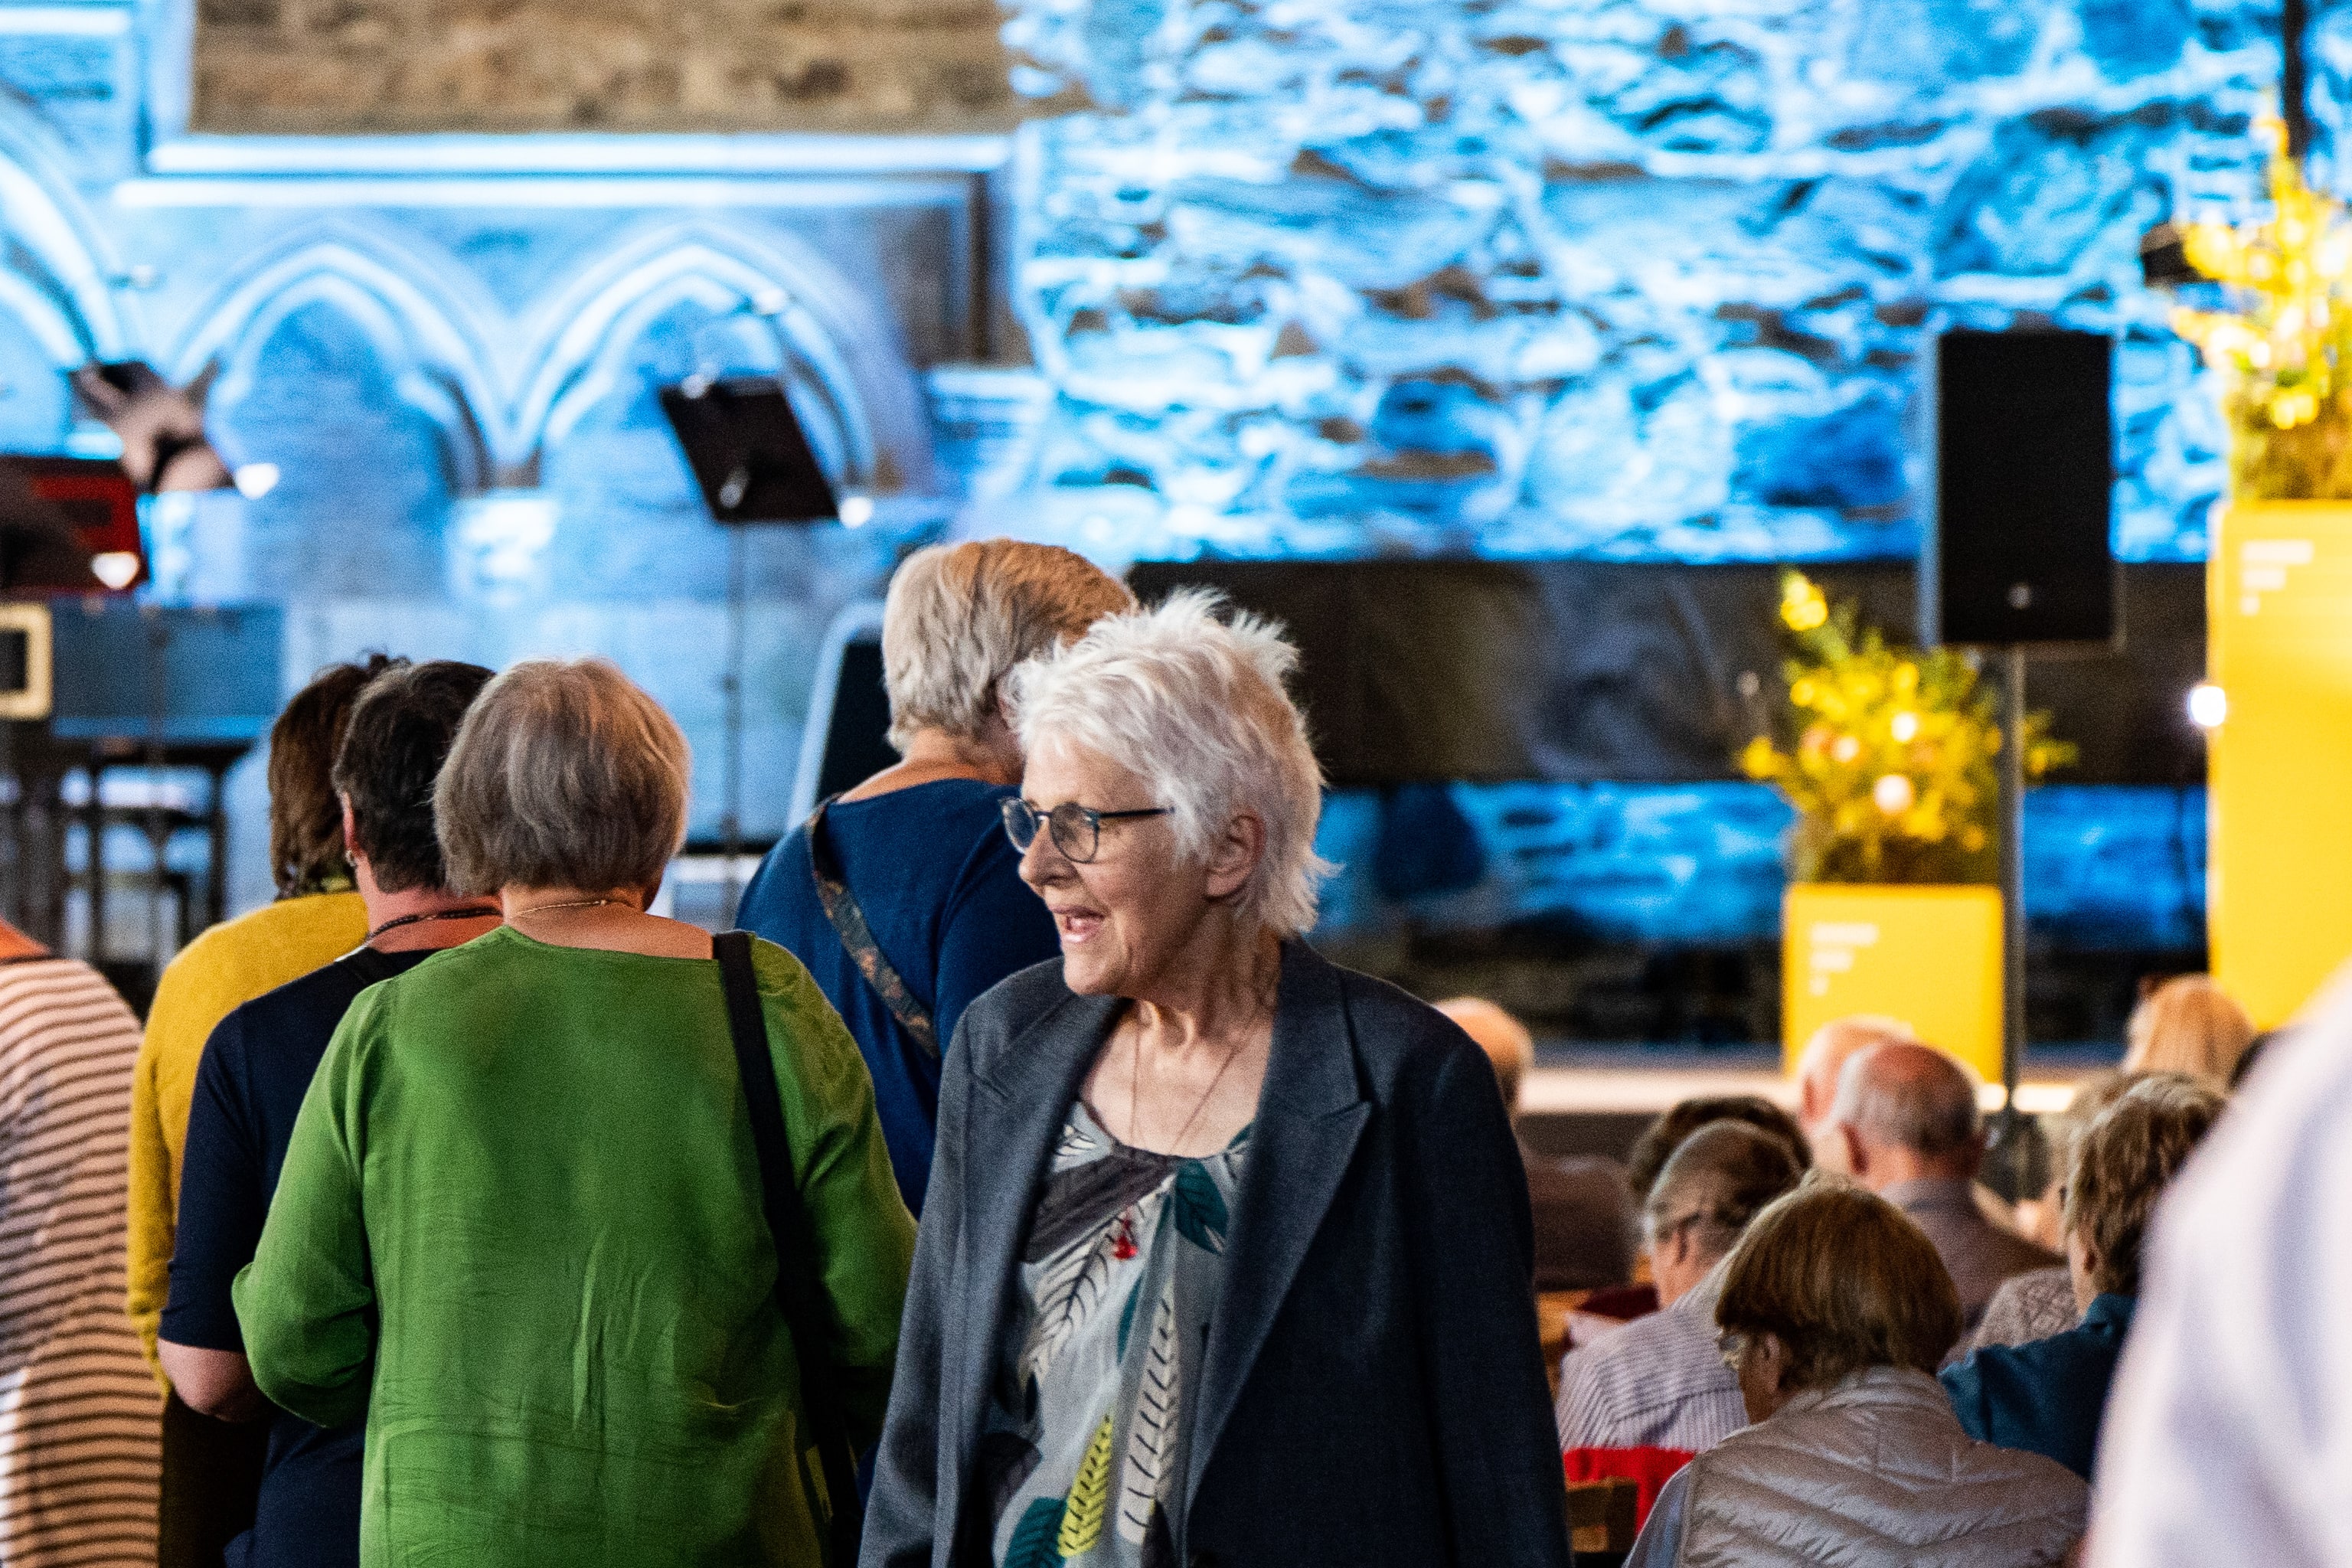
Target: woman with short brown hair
(211, 1468)
(1835, 1312)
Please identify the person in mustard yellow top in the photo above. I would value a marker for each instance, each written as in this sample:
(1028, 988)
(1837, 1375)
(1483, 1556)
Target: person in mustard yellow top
(317, 917)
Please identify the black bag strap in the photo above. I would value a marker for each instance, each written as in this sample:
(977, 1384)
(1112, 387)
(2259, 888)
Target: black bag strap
(857, 937)
(788, 1223)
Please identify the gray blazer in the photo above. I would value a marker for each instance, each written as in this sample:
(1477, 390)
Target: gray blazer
(1373, 1390)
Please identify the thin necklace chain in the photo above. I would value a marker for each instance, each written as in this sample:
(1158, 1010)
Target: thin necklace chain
(567, 904)
(470, 912)
(1135, 1074)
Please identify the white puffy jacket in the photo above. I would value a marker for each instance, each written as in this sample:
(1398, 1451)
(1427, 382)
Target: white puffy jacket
(1871, 1473)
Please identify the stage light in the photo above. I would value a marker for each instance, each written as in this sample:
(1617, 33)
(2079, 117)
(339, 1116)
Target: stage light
(2208, 705)
(161, 427)
(118, 569)
(857, 511)
(2163, 260)
(1893, 794)
(1905, 728)
(255, 481)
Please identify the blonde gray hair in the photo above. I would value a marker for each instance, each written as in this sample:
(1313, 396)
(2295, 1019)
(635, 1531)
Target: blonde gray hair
(2187, 1024)
(564, 775)
(2123, 1164)
(1193, 701)
(960, 616)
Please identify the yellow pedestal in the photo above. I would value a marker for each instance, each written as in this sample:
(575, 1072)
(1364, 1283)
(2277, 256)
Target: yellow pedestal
(2278, 895)
(1928, 956)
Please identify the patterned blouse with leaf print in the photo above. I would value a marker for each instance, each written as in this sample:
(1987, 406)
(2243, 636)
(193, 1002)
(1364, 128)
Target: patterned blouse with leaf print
(1083, 1458)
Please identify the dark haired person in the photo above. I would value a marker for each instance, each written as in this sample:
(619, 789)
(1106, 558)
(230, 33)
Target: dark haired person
(1658, 1141)
(208, 1478)
(257, 1068)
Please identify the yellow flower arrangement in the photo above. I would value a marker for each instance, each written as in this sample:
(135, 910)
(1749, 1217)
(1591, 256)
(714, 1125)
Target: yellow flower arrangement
(1890, 755)
(2284, 356)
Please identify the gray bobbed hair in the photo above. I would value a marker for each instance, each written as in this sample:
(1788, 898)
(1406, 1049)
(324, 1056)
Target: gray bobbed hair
(564, 775)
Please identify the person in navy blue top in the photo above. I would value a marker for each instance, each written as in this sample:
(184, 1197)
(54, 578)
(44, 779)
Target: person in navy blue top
(257, 1069)
(920, 848)
(2048, 1397)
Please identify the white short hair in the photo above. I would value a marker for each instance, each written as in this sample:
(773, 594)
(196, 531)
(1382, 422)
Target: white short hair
(960, 616)
(1193, 701)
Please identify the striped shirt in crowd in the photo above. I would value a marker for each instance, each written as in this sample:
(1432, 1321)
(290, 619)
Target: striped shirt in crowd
(1657, 1383)
(79, 1412)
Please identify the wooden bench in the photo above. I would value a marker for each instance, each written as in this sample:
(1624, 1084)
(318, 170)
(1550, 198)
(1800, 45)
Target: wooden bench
(1601, 1522)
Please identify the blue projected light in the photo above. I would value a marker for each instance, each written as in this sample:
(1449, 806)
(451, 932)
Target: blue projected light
(1643, 281)
(2108, 868)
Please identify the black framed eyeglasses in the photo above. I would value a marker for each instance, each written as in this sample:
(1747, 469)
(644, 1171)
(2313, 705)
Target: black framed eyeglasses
(1076, 830)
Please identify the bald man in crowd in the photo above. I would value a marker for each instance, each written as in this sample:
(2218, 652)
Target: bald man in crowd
(1834, 1044)
(1909, 1129)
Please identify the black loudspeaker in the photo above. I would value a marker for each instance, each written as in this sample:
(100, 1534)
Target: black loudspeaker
(2024, 485)
(747, 451)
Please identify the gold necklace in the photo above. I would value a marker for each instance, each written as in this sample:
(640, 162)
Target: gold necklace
(568, 904)
(1135, 1074)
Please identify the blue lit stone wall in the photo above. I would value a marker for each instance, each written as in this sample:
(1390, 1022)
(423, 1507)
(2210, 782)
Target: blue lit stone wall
(1640, 278)
(2110, 867)
(1636, 278)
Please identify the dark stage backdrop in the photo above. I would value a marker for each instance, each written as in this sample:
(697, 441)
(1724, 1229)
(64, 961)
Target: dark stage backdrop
(1414, 672)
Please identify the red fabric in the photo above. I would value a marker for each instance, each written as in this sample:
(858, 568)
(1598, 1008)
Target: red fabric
(1622, 1302)
(1648, 1469)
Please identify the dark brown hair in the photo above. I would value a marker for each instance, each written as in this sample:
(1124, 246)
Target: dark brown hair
(1843, 1280)
(1658, 1142)
(400, 733)
(2124, 1162)
(306, 820)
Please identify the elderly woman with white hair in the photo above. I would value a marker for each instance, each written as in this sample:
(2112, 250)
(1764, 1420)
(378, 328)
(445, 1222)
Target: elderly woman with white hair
(900, 894)
(529, 1222)
(1226, 1259)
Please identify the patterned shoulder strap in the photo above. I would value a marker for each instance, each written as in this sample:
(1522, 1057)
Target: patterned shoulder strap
(857, 937)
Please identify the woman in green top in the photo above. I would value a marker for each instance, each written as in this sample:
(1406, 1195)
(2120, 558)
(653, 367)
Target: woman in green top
(520, 1225)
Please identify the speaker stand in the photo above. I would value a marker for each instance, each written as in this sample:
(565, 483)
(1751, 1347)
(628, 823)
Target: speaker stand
(730, 812)
(2013, 902)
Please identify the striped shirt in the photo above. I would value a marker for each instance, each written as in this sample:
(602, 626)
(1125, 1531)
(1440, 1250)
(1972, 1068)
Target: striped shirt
(1657, 1383)
(79, 1412)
